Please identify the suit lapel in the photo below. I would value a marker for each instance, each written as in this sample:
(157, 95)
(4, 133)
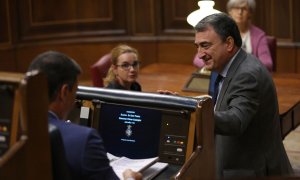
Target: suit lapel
(240, 57)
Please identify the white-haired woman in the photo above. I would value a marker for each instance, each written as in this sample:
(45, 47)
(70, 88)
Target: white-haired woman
(254, 38)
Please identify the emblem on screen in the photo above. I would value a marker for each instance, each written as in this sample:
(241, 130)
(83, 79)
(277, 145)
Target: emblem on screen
(128, 131)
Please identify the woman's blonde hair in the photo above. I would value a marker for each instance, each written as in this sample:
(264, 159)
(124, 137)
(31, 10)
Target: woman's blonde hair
(115, 53)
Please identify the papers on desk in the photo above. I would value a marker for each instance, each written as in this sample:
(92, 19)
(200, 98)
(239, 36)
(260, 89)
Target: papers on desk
(154, 170)
(148, 167)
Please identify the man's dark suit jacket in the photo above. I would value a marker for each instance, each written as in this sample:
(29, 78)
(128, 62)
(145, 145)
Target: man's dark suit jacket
(247, 127)
(85, 153)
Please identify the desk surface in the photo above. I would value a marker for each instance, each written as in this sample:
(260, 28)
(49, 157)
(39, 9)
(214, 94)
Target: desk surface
(174, 76)
(288, 90)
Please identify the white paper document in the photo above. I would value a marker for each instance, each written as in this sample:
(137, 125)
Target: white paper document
(154, 170)
(148, 167)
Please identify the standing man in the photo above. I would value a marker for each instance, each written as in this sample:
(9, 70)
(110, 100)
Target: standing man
(85, 153)
(248, 138)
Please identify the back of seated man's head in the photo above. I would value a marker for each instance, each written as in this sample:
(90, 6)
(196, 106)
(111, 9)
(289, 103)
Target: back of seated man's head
(58, 68)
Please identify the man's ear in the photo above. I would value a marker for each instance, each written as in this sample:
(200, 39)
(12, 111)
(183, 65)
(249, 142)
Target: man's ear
(63, 92)
(230, 43)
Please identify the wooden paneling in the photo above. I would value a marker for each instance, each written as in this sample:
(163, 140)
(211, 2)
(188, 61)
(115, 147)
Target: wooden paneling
(282, 19)
(296, 22)
(298, 60)
(87, 29)
(286, 59)
(4, 23)
(221, 6)
(143, 18)
(174, 14)
(263, 15)
(296, 115)
(7, 61)
(175, 52)
(85, 54)
(57, 19)
(147, 52)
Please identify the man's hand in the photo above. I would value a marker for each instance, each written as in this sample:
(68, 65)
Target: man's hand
(128, 174)
(167, 92)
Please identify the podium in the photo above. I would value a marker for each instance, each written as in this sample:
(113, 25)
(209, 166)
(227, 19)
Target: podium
(198, 149)
(201, 164)
(27, 155)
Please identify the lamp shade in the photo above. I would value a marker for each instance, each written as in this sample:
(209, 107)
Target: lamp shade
(206, 8)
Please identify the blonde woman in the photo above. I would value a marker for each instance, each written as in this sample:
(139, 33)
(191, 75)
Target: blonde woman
(124, 70)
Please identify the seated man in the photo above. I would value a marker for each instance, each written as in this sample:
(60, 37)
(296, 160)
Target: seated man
(85, 153)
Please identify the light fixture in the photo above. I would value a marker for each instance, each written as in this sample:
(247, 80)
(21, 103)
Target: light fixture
(206, 8)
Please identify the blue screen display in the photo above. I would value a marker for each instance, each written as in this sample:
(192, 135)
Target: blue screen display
(130, 131)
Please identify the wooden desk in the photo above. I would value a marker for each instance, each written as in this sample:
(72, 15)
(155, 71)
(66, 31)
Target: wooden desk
(174, 76)
(288, 92)
(166, 76)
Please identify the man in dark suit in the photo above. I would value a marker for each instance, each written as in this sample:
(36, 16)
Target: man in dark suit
(248, 139)
(85, 153)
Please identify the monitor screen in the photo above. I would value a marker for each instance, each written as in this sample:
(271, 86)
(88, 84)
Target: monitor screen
(130, 131)
(6, 111)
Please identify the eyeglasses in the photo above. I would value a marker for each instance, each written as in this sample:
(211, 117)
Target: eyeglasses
(242, 9)
(127, 66)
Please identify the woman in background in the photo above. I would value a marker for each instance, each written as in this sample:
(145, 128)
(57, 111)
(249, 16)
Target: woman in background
(254, 39)
(124, 70)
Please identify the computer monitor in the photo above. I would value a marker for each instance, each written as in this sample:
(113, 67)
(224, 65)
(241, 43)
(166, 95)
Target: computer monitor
(130, 131)
(143, 125)
(7, 94)
(10, 102)
(143, 131)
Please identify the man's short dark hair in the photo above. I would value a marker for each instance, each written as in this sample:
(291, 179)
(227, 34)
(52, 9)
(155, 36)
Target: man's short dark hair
(58, 68)
(223, 25)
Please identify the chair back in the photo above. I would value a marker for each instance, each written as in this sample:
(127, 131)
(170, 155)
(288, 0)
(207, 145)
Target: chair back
(29, 156)
(100, 69)
(272, 44)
